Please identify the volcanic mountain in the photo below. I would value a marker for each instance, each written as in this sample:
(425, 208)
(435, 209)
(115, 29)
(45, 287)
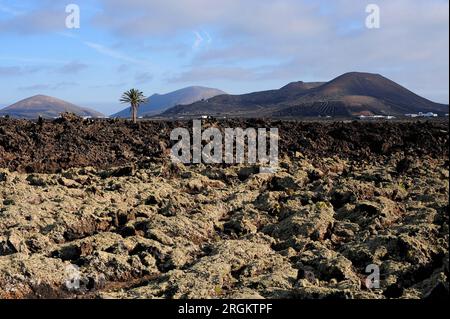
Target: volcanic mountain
(46, 107)
(158, 103)
(348, 95)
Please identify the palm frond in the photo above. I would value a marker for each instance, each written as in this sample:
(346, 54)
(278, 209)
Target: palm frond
(134, 97)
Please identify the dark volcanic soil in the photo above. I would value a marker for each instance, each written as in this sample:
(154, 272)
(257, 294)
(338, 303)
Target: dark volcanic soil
(49, 147)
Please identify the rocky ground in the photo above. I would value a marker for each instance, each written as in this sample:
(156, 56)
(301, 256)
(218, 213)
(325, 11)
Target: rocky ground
(149, 228)
(51, 146)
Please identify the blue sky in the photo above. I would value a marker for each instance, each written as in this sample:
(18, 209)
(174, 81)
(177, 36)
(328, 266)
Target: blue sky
(236, 46)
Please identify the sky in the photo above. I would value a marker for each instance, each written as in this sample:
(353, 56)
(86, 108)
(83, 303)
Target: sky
(233, 45)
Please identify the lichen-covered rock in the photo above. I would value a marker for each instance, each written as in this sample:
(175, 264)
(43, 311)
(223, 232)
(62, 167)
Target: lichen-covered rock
(312, 221)
(24, 276)
(381, 212)
(160, 230)
(327, 265)
(228, 263)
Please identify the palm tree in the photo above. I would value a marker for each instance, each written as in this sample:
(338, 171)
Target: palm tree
(135, 98)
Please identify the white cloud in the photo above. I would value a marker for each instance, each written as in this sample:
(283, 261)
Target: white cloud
(309, 40)
(258, 40)
(44, 19)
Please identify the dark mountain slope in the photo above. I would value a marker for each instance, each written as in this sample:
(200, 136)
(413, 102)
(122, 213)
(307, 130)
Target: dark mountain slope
(350, 94)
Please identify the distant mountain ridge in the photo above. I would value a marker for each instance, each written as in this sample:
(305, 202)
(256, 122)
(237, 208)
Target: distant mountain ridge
(350, 94)
(46, 107)
(159, 103)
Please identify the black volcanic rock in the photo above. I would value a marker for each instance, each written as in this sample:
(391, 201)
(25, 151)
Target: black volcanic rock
(45, 107)
(350, 94)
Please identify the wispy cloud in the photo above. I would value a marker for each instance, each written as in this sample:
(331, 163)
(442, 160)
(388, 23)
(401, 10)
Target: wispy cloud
(34, 87)
(31, 60)
(238, 74)
(49, 66)
(19, 70)
(10, 71)
(109, 86)
(41, 87)
(144, 77)
(112, 53)
(10, 10)
(72, 68)
(42, 20)
(123, 68)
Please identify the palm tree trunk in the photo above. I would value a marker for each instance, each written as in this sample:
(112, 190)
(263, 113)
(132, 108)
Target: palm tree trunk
(133, 112)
